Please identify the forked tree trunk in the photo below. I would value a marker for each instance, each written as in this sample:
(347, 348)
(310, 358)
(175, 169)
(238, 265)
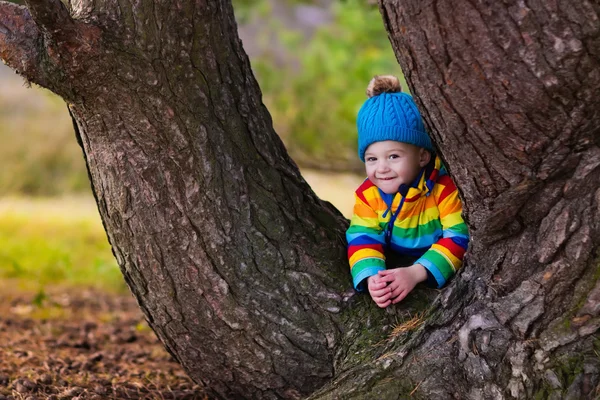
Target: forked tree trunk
(241, 270)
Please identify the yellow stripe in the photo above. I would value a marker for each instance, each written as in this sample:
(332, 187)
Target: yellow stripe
(365, 221)
(371, 194)
(452, 219)
(364, 254)
(447, 254)
(421, 218)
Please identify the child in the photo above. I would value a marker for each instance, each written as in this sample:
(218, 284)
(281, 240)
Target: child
(408, 209)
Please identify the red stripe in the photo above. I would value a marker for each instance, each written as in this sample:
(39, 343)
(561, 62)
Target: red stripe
(354, 249)
(414, 198)
(360, 192)
(449, 187)
(434, 175)
(456, 250)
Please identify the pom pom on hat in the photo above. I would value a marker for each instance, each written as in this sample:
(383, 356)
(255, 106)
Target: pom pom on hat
(389, 114)
(383, 84)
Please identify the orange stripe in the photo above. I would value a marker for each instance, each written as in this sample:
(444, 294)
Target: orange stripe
(449, 187)
(361, 189)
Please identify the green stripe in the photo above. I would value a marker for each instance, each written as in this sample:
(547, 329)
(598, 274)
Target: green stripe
(440, 262)
(363, 229)
(421, 230)
(460, 228)
(369, 262)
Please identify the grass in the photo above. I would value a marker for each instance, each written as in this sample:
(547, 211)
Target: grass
(57, 241)
(40, 154)
(61, 241)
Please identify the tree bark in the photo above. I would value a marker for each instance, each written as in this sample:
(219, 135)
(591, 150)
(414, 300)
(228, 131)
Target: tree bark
(240, 269)
(509, 93)
(237, 265)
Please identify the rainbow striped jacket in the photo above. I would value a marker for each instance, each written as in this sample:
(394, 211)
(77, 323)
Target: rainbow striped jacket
(429, 225)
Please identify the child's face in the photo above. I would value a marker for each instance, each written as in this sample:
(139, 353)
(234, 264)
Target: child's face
(390, 164)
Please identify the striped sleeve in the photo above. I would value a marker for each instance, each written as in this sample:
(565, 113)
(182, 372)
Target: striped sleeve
(365, 244)
(445, 256)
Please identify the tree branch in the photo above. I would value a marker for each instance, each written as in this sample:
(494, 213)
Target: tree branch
(52, 17)
(19, 42)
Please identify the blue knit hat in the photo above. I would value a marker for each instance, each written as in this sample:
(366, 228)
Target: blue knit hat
(389, 114)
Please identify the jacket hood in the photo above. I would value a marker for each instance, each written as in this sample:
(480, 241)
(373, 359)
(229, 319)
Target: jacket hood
(422, 185)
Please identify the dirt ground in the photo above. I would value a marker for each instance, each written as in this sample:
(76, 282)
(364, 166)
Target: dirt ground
(84, 345)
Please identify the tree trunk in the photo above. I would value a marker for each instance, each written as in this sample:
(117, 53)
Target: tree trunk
(510, 95)
(240, 269)
(237, 265)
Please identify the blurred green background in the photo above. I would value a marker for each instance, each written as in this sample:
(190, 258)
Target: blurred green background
(312, 59)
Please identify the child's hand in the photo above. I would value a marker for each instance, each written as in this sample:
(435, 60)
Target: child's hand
(401, 281)
(379, 291)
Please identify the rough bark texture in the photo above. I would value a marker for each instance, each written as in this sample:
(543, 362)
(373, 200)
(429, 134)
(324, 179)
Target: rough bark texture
(240, 269)
(237, 265)
(510, 93)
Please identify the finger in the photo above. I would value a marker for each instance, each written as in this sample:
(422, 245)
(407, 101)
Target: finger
(385, 272)
(380, 293)
(383, 286)
(397, 290)
(383, 297)
(400, 297)
(377, 285)
(388, 278)
(384, 305)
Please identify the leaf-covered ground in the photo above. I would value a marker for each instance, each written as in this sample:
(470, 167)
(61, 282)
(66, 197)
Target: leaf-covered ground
(83, 345)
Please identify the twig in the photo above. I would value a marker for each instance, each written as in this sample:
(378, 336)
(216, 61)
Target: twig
(416, 387)
(452, 339)
(409, 325)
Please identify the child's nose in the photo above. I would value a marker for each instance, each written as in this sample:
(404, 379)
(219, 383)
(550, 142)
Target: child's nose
(382, 166)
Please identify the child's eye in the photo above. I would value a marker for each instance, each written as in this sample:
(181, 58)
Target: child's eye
(394, 156)
(371, 158)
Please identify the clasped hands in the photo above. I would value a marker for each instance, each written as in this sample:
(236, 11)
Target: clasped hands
(391, 286)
